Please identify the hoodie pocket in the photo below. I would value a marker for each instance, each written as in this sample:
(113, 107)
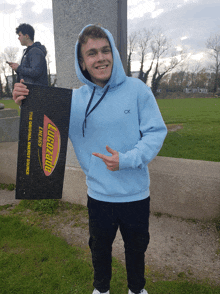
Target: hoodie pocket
(97, 175)
(94, 166)
(118, 183)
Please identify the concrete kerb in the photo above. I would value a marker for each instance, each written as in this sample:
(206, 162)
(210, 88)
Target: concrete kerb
(185, 188)
(9, 125)
(179, 187)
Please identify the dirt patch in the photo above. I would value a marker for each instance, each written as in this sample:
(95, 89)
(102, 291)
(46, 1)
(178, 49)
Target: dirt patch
(178, 248)
(174, 128)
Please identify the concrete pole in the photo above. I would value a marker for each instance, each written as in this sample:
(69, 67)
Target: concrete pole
(70, 17)
(122, 32)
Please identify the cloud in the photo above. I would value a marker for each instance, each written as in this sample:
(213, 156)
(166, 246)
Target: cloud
(46, 16)
(138, 8)
(195, 20)
(7, 8)
(28, 15)
(170, 5)
(157, 13)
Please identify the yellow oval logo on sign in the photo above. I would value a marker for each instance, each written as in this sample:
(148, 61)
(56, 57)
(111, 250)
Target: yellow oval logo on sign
(51, 146)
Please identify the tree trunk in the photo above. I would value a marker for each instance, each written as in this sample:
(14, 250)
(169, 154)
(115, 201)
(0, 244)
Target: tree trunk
(129, 66)
(146, 74)
(140, 76)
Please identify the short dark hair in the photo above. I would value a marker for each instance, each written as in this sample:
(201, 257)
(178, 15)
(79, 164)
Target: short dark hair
(25, 28)
(93, 32)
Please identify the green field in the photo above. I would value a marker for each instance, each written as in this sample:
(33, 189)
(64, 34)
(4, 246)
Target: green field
(10, 104)
(34, 259)
(199, 138)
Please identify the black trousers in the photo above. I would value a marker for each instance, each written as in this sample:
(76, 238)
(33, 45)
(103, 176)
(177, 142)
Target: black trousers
(132, 218)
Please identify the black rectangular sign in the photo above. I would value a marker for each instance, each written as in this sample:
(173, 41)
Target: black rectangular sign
(42, 147)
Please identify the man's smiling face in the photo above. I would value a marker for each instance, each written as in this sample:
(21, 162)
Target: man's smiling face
(97, 60)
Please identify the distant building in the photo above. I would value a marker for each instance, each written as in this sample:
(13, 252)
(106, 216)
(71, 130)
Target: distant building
(195, 90)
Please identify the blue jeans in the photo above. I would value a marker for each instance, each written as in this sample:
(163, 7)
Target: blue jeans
(132, 218)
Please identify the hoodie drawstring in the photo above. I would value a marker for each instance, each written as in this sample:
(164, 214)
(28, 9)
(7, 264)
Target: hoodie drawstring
(87, 108)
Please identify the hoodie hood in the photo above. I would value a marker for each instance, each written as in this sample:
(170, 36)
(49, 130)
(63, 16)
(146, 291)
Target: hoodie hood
(37, 45)
(118, 75)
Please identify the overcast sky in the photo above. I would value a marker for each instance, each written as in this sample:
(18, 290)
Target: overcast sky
(188, 23)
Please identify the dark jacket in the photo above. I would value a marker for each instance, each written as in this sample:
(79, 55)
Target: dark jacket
(33, 67)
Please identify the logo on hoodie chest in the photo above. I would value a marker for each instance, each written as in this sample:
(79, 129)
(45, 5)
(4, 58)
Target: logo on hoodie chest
(128, 111)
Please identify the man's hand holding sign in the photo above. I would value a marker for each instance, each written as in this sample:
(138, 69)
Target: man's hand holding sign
(20, 92)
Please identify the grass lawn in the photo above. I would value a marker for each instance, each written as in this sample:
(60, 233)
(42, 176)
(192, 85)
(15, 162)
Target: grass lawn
(10, 104)
(33, 260)
(200, 136)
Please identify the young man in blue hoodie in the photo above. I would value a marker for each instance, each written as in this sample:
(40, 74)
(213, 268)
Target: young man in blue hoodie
(33, 67)
(116, 129)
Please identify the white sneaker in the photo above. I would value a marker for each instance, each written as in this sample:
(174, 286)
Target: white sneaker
(143, 291)
(97, 292)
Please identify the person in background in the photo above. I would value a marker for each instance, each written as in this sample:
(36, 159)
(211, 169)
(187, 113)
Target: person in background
(33, 67)
(116, 129)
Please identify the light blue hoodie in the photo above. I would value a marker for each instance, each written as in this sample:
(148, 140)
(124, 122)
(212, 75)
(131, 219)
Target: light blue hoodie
(128, 120)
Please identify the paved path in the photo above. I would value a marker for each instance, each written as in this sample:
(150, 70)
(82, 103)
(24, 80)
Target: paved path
(7, 197)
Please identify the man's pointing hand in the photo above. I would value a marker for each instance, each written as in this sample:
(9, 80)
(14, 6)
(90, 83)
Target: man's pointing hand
(112, 162)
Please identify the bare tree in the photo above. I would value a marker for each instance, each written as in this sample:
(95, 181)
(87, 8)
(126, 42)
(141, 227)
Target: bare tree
(144, 47)
(48, 69)
(213, 44)
(1, 88)
(166, 60)
(146, 74)
(4, 69)
(51, 81)
(10, 54)
(202, 78)
(1, 85)
(177, 81)
(132, 38)
(193, 74)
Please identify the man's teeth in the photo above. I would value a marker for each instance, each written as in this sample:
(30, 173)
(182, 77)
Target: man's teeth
(102, 67)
